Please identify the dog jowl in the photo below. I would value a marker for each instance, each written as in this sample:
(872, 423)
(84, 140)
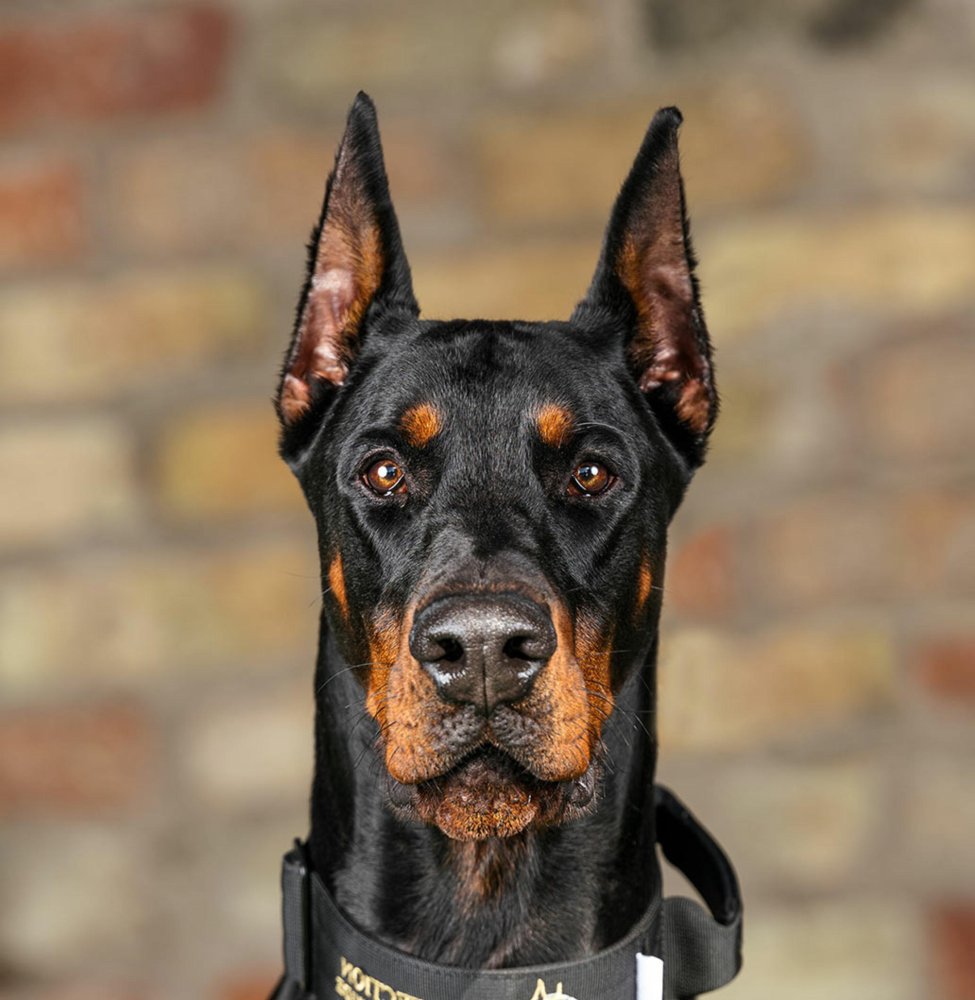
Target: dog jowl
(492, 499)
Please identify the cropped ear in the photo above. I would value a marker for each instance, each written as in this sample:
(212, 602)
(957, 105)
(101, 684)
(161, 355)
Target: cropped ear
(645, 284)
(355, 262)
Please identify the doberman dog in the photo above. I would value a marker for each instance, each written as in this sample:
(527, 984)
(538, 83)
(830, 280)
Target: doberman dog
(492, 502)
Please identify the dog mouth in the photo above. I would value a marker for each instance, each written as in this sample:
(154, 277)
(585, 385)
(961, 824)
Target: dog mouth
(489, 794)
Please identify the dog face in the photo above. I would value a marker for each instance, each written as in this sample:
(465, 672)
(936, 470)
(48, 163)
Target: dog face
(492, 497)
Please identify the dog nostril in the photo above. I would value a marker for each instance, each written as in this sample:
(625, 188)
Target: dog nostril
(453, 651)
(521, 647)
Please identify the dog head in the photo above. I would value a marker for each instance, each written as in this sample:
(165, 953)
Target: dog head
(492, 498)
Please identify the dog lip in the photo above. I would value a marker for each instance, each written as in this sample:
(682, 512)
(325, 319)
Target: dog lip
(580, 791)
(400, 795)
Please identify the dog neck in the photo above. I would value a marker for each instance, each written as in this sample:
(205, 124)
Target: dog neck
(540, 896)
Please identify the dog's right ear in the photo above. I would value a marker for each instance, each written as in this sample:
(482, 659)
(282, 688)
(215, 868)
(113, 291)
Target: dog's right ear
(356, 264)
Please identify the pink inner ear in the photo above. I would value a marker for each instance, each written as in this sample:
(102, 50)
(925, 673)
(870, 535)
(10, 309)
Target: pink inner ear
(322, 334)
(666, 349)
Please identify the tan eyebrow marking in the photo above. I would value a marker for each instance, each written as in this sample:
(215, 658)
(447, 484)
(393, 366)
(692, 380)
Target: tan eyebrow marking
(421, 424)
(554, 424)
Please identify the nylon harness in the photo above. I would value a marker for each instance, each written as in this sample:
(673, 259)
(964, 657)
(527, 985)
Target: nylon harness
(675, 951)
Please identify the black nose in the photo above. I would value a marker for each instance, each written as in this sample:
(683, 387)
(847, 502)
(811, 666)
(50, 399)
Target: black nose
(483, 650)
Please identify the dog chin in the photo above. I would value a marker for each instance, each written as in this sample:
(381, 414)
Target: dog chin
(488, 795)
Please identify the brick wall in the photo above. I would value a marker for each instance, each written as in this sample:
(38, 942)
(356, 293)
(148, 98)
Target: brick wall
(160, 168)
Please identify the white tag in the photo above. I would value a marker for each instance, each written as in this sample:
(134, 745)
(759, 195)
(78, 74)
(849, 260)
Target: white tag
(649, 977)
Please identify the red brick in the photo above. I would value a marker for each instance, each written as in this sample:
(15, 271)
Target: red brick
(254, 985)
(699, 577)
(73, 760)
(41, 213)
(102, 66)
(953, 947)
(946, 667)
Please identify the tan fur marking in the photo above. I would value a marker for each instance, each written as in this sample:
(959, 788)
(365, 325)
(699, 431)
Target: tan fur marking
(594, 648)
(644, 584)
(336, 584)
(554, 424)
(421, 424)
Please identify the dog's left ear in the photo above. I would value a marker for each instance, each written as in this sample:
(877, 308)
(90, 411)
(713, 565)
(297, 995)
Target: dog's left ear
(356, 263)
(645, 284)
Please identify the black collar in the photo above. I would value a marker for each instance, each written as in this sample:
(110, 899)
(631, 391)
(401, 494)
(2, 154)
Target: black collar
(676, 950)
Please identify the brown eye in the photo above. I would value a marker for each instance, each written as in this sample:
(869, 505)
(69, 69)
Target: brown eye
(589, 479)
(385, 478)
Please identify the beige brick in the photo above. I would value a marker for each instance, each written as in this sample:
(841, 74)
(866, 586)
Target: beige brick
(828, 548)
(158, 614)
(764, 270)
(75, 341)
(851, 546)
(914, 396)
(805, 825)
(225, 909)
(540, 280)
(441, 48)
(64, 479)
(252, 752)
(936, 541)
(750, 417)
(725, 692)
(222, 461)
(844, 950)
(289, 170)
(57, 913)
(939, 821)
(741, 142)
(920, 133)
(171, 196)
(261, 191)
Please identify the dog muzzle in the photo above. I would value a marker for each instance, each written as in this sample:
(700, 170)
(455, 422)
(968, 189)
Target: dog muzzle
(676, 950)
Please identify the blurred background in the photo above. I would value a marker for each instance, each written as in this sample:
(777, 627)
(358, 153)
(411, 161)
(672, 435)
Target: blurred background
(161, 167)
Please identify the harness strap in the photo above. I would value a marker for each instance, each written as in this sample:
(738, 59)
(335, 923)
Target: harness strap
(701, 951)
(294, 907)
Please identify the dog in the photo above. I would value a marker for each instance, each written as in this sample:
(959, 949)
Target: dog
(492, 502)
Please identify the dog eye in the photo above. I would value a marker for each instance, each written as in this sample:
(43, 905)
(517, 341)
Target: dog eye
(590, 479)
(384, 477)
